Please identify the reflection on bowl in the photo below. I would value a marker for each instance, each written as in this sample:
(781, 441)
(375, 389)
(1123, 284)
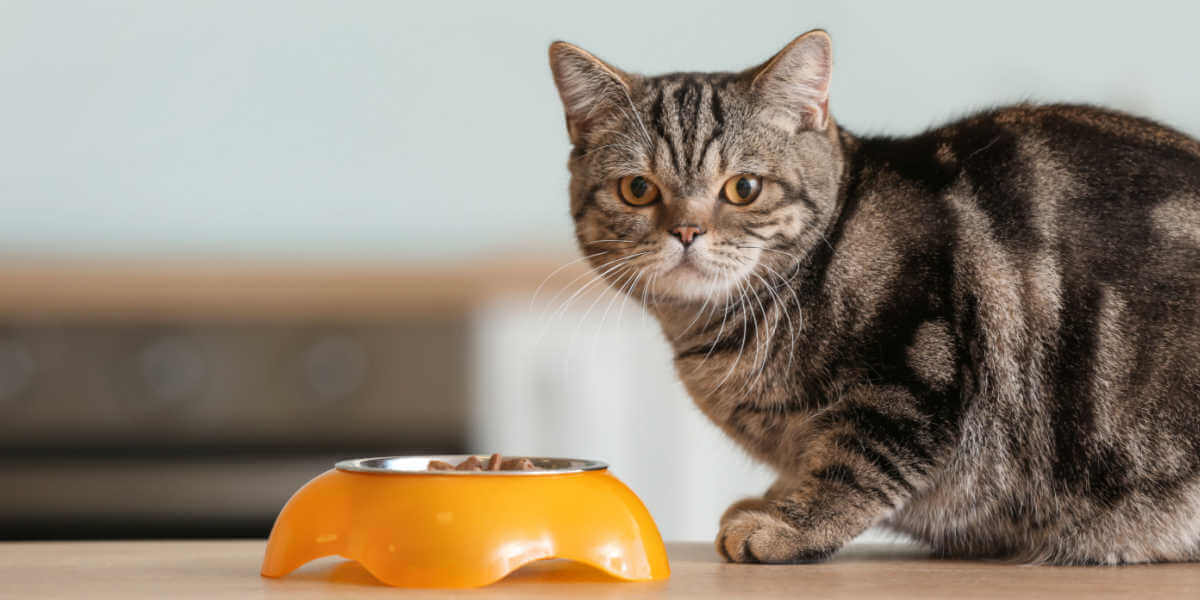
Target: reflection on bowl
(419, 465)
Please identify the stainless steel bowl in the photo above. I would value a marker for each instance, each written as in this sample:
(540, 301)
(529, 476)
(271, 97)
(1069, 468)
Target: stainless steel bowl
(418, 465)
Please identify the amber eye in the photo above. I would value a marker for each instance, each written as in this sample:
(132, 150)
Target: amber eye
(742, 189)
(638, 190)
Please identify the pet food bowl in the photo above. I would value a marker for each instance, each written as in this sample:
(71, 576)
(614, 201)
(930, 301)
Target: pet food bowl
(411, 527)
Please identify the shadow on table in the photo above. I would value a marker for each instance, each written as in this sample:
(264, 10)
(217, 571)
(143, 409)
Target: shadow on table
(703, 552)
(348, 572)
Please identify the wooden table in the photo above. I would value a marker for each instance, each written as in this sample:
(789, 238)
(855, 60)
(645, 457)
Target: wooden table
(229, 569)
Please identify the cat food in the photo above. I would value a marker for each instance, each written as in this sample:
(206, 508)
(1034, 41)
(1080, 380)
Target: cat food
(494, 463)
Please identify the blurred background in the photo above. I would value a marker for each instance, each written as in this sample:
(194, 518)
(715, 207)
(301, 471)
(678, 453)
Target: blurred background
(242, 240)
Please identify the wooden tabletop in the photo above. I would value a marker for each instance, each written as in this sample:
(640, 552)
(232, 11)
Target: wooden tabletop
(229, 569)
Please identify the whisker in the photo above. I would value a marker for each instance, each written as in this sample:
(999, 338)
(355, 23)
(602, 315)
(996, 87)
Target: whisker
(646, 290)
(786, 313)
(797, 258)
(825, 239)
(742, 345)
(627, 279)
(766, 339)
(707, 298)
(628, 293)
(620, 274)
(759, 339)
(633, 107)
(720, 332)
(586, 273)
(601, 277)
(537, 291)
(562, 309)
(772, 329)
(799, 309)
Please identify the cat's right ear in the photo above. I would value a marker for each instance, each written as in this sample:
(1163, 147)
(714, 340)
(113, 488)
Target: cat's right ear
(587, 86)
(795, 82)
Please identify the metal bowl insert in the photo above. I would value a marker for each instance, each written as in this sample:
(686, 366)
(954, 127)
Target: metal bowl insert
(419, 465)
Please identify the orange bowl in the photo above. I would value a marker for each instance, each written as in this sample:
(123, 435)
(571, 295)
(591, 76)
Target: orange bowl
(416, 528)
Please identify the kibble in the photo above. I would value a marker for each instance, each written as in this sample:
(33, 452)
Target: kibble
(494, 463)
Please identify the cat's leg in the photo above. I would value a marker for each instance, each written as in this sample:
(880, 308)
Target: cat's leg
(856, 463)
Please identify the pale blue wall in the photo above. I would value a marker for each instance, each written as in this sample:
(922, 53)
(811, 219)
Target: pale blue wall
(397, 130)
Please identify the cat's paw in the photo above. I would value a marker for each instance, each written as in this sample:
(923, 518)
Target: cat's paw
(752, 533)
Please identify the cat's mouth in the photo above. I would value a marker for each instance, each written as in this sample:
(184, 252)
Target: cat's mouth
(689, 263)
(691, 276)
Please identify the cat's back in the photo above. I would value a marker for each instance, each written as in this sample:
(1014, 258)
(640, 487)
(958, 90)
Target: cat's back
(1115, 198)
(1097, 196)
(1098, 211)
(1115, 195)
(1094, 159)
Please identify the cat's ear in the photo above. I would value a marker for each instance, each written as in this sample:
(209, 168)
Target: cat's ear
(796, 80)
(587, 85)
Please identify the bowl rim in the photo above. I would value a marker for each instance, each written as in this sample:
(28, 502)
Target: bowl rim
(416, 465)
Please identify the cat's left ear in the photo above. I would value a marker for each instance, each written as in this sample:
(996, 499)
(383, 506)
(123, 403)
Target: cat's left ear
(796, 80)
(587, 85)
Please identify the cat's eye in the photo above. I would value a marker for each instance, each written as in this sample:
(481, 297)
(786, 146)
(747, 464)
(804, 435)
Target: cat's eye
(742, 189)
(637, 190)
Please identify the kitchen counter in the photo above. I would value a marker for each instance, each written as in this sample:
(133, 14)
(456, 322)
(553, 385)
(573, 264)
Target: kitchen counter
(229, 569)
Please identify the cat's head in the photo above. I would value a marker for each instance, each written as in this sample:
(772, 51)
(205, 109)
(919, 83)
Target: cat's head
(690, 186)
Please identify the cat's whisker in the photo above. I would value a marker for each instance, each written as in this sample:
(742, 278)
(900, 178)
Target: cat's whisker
(538, 290)
(720, 332)
(586, 273)
(764, 248)
(791, 289)
(758, 338)
(613, 241)
(635, 116)
(619, 275)
(792, 330)
(548, 320)
(825, 239)
(625, 300)
(645, 291)
(627, 278)
(742, 346)
(645, 133)
(712, 309)
(780, 309)
(615, 264)
(707, 298)
(761, 342)
(593, 271)
(752, 293)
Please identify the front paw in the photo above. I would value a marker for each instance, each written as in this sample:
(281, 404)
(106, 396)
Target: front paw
(759, 535)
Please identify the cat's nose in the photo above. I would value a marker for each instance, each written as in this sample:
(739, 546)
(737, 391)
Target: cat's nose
(687, 233)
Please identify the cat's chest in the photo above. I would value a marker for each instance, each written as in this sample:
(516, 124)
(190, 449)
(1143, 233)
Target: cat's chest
(742, 403)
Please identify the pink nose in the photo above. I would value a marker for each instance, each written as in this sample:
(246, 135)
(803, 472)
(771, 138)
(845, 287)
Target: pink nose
(687, 233)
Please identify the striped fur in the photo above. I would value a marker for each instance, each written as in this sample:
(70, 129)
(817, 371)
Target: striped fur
(985, 336)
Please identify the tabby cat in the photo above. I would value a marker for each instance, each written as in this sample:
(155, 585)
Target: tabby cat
(986, 336)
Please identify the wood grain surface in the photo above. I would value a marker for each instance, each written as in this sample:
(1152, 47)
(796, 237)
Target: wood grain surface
(229, 569)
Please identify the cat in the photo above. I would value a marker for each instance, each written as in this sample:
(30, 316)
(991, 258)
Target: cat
(986, 336)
